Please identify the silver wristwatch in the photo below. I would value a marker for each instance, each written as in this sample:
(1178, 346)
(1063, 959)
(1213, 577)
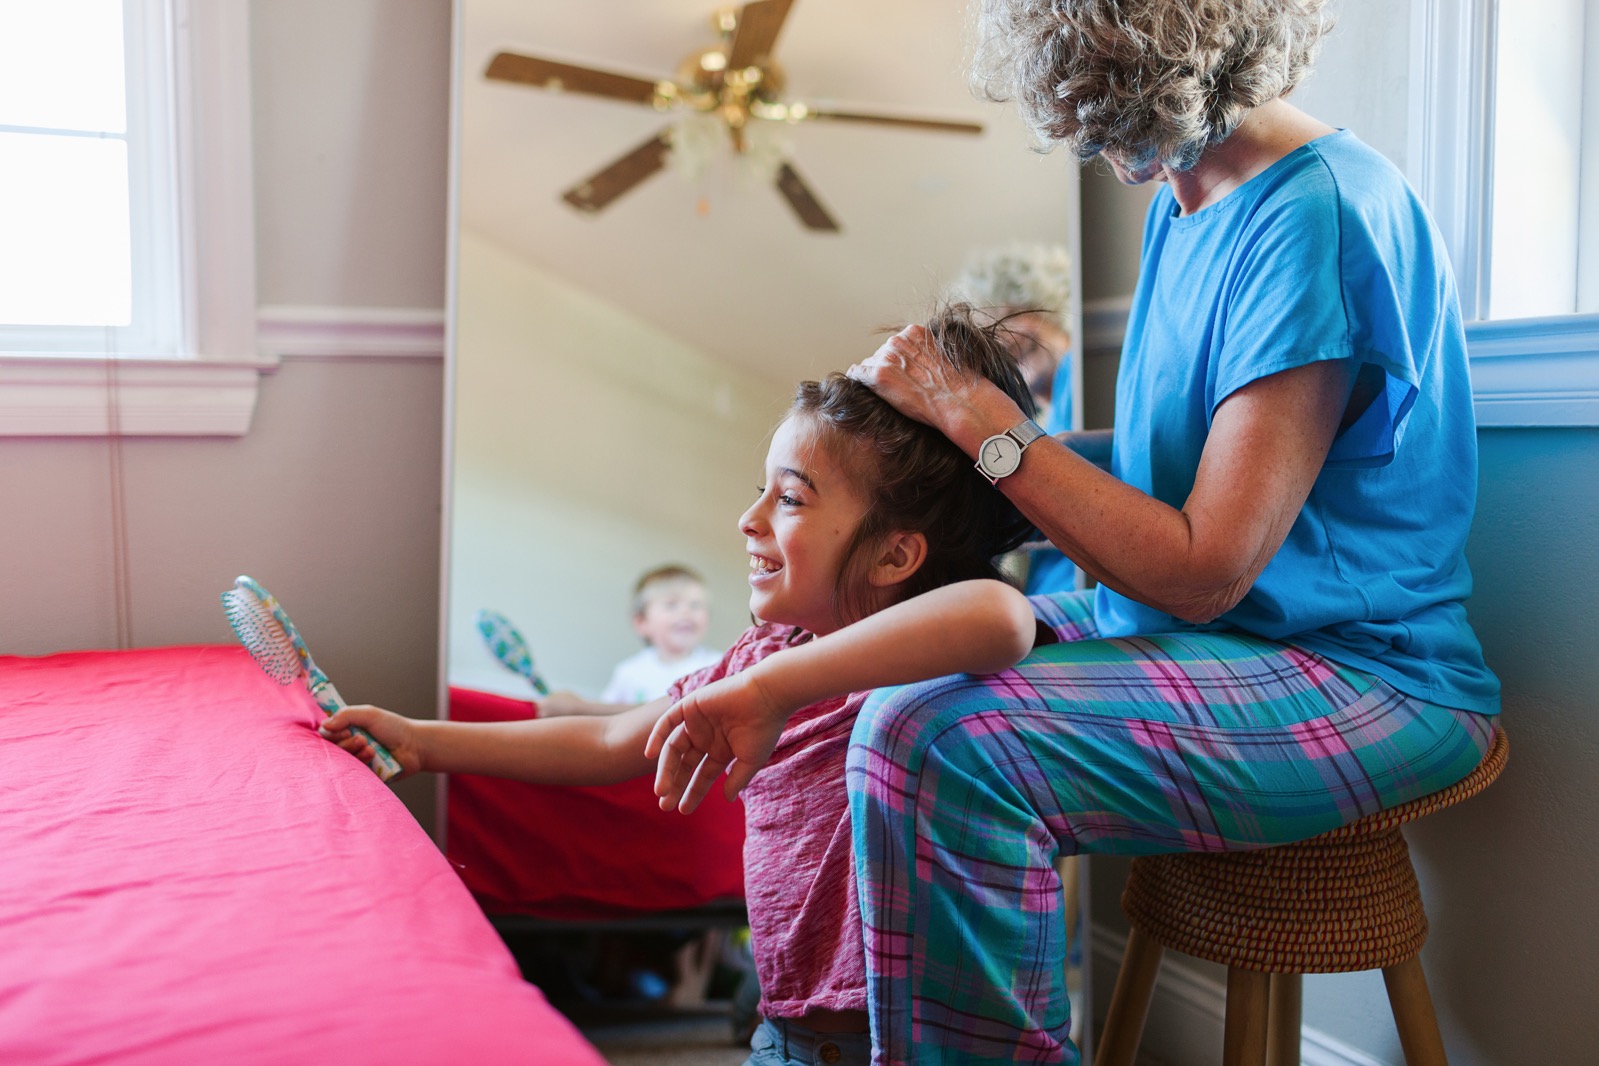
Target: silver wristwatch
(1001, 454)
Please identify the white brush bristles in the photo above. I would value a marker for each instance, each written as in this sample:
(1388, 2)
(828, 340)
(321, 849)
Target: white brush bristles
(262, 635)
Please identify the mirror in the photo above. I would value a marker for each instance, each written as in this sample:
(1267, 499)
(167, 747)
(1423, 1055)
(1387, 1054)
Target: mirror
(616, 372)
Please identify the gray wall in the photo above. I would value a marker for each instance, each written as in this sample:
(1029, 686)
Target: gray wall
(332, 500)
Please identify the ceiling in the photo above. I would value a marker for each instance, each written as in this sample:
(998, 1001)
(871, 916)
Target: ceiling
(743, 281)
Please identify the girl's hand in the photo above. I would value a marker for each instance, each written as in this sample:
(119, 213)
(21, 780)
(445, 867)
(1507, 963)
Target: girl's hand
(730, 725)
(908, 372)
(395, 732)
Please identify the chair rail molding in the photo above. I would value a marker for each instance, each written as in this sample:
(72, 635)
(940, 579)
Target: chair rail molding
(286, 332)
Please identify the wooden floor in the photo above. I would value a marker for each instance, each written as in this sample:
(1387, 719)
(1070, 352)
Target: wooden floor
(645, 1036)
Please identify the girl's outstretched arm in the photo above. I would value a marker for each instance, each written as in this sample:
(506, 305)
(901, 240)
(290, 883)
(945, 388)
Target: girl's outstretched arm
(548, 751)
(732, 725)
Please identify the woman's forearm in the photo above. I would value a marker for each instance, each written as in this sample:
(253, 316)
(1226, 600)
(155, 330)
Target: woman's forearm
(977, 627)
(579, 750)
(1268, 442)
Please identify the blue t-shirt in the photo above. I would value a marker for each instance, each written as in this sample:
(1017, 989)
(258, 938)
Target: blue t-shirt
(1327, 254)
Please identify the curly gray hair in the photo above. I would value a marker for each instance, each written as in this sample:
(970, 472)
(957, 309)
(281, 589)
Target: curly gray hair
(1018, 277)
(1144, 80)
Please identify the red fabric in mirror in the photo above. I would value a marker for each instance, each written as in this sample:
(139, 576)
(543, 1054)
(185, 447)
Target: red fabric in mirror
(584, 853)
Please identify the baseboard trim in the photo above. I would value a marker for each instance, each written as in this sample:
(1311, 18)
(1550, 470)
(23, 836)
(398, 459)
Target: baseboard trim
(1187, 1013)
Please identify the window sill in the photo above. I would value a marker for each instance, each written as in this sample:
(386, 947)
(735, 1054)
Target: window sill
(59, 396)
(1536, 371)
(1524, 372)
(65, 396)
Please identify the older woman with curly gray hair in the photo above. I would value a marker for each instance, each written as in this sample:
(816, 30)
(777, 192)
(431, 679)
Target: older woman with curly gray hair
(1278, 642)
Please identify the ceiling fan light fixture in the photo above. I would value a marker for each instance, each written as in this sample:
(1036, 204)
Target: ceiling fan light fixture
(718, 90)
(696, 141)
(776, 111)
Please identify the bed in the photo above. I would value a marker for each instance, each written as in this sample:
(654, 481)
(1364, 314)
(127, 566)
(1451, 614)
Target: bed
(190, 874)
(571, 856)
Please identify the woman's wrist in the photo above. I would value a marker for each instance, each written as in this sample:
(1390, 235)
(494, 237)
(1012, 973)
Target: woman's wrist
(984, 411)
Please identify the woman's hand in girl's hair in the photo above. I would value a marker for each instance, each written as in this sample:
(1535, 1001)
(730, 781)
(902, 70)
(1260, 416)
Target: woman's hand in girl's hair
(918, 382)
(393, 731)
(907, 371)
(729, 725)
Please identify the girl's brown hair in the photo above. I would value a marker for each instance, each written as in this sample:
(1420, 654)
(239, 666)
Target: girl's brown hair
(914, 478)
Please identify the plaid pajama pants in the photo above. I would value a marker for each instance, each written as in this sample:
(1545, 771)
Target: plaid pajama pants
(964, 790)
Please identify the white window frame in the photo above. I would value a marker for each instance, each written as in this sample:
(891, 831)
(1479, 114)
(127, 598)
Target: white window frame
(209, 388)
(1525, 372)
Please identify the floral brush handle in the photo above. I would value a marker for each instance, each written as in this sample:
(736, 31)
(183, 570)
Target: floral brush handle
(506, 643)
(264, 629)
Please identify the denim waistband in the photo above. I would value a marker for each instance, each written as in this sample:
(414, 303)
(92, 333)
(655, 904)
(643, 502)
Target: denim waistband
(802, 1046)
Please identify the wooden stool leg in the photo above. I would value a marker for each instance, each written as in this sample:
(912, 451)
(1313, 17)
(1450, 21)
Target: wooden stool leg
(1129, 1002)
(1423, 1044)
(1283, 1019)
(1244, 1040)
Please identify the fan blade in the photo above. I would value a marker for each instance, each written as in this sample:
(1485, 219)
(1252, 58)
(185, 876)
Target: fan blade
(803, 201)
(758, 25)
(563, 77)
(599, 189)
(939, 125)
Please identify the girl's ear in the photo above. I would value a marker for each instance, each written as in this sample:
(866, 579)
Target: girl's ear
(899, 555)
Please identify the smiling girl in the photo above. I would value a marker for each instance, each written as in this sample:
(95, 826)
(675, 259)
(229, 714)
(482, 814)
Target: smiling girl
(871, 547)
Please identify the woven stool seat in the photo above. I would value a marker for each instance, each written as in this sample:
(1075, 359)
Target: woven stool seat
(1342, 901)
(1345, 900)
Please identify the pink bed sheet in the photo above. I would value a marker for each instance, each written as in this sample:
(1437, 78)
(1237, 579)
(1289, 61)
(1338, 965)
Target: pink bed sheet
(188, 874)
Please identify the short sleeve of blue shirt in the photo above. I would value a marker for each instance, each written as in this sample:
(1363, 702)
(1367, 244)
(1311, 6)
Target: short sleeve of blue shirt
(1326, 255)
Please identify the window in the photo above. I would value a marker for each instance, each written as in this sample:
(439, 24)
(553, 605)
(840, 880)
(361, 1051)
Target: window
(88, 264)
(126, 262)
(1502, 123)
(1544, 248)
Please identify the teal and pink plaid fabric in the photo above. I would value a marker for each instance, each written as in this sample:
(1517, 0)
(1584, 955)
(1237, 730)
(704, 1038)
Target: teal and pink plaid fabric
(964, 790)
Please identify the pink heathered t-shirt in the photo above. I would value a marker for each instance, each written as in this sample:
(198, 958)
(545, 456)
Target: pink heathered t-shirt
(799, 868)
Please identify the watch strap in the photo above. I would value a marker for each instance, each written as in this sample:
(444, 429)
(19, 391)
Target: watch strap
(1026, 432)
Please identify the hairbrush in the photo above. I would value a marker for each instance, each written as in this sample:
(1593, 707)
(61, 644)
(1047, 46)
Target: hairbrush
(506, 643)
(271, 639)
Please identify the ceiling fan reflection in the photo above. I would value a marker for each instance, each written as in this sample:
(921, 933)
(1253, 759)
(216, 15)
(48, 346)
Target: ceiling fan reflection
(735, 80)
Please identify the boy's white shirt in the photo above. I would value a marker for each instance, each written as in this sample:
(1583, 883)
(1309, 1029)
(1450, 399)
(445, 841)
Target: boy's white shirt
(644, 677)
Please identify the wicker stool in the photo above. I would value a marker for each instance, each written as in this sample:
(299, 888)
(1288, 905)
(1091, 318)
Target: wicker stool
(1345, 900)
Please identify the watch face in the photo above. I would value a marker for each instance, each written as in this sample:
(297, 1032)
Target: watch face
(1000, 456)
